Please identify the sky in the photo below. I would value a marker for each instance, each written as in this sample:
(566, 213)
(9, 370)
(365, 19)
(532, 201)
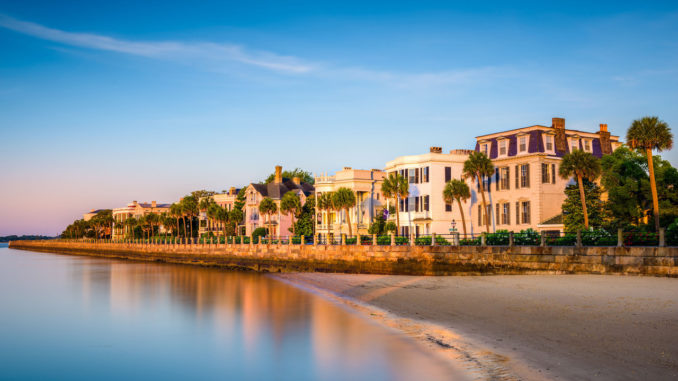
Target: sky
(102, 103)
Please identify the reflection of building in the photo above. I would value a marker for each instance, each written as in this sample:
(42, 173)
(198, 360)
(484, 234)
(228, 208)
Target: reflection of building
(366, 184)
(225, 200)
(526, 191)
(88, 216)
(425, 210)
(275, 190)
(136, 210)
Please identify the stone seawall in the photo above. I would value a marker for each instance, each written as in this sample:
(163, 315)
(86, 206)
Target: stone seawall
(405, 260)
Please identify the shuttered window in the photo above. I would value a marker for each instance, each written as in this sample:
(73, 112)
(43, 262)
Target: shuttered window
(448, 174)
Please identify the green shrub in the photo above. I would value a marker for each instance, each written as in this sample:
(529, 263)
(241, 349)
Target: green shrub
(527, 237)
(501, 237)
(469, 242)
(672, 234)
(426, 241)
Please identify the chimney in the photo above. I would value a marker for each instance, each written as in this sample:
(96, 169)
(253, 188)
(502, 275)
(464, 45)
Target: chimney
(135, 202)
(231, 191)
(605, 142)
(278, 174)
(347, 168)
(558, 123)
(436, 149)
(154, 204)
(296, 180)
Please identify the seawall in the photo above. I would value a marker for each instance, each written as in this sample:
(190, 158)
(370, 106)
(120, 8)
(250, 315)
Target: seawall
(403, 260)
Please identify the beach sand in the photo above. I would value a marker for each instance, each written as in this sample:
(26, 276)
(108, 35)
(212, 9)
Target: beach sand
(564, 327)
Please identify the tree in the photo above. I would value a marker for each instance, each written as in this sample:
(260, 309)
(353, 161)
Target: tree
(457, 190)
(290, 204)
(304, 176)
(581, 165)
(204, 206)
(647, 134)
(153, 220)
(176, 213)
(344, 199)
(268, 207)
(131, 223)
(101, 221)
(477, 167)
(624, 178)
(222, 215)
(324, 203)
(305, 225)
(189, 207)
(167, 222)
(573, 212)
(396, 187)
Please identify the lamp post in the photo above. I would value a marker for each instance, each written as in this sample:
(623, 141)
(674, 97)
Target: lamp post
(453, 227)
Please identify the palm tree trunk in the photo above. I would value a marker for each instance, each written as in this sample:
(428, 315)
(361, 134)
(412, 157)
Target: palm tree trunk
(653, 187)
(582, 196)
(481, 184)
(463, 221)
(397, 209)
(348, 220)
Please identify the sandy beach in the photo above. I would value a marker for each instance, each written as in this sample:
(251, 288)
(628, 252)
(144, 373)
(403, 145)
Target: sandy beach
(569, 327)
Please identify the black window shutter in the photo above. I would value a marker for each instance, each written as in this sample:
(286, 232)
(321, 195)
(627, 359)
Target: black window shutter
(517, 177)
(527, 172)
(553, 173)
(517, 212)
(448, 174)
(496, 177)
(496, 216)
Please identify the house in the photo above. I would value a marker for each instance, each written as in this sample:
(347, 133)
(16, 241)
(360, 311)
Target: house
(280, 224)
(425, 211)
(225, 200)
(136, 210)
(526, 191)
(93, 212)
(366, 184)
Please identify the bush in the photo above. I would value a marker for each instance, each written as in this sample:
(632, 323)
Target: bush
(598, 237)
(469, 242)
(259, 232)
(527, 237)
(501, 237)
(672, 234)
(426, 241)
(566, 240)
(383, 240)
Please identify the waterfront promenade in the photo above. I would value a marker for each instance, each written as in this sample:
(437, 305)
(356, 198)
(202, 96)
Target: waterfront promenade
(384, 259)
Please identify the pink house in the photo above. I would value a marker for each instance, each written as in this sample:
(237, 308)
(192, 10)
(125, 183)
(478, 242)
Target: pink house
(280, 224)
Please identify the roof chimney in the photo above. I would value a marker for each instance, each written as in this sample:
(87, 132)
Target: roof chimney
(154, 204)
(347, 168)
(603, 127)
(558, 123)
(436, 149)
(135, 202)
(296, 180)
(278, 174)
(231, 191)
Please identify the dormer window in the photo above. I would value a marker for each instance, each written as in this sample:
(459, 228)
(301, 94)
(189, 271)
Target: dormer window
(574, 144)
(587, 145)
(503, 147)
(522, 144)
(483, 149)
(549, 142)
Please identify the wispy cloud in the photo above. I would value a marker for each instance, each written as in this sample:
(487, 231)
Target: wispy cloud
(215, 55)
(160, 49)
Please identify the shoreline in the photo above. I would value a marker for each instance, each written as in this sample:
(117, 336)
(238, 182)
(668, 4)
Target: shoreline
(464, 354)
(552, 328)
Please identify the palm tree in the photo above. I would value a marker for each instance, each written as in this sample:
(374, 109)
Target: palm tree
(395, 186)
(167, 222)
(268, 208)
(175, 211)
(647, 134)
(204, 206)
(457, 190)
(220, 214)
(131, 223)
(477, 167)
(325, 203)
(153, 220)
(344, 198)
(291, 204)
(583, 165)
(190, 209)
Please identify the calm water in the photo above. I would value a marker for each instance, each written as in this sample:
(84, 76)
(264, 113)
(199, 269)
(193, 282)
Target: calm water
(78, 318)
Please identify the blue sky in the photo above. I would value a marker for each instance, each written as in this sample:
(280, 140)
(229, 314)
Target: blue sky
(102, 103)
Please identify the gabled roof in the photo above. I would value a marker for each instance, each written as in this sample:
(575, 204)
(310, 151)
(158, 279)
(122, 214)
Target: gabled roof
(556, 220)
(277, 190)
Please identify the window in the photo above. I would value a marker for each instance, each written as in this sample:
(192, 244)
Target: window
(587, 145)
(484, 219)
(412, 176)
(416, 203)
(424, 175)
(504, 177)
(425, 205)
(503, 147)
(549, 143)
(545, 175)
(574, 144)
(448, 174)
(498, 213)
(483, 149)
(522, 144)
(526, 212)
(525, 176)
(506, 214)
(448, 207)
(517, 212)
(553, 173)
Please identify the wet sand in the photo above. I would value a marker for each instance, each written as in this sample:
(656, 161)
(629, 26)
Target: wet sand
(565, 327)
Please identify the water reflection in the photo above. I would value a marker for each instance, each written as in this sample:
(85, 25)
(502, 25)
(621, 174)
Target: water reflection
(146, 320)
